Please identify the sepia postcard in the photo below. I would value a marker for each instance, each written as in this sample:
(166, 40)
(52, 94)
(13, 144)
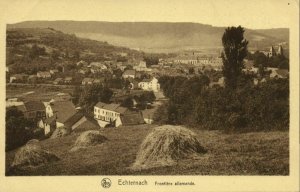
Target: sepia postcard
(139, 95)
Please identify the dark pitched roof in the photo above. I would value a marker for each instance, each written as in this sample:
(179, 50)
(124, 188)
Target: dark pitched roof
(132, 118)
(146, 80)
(21, 108)
(50, 120)
(34, 106)
(283, 72)
(89, 124)
(111, 106)
(100, 104)
(121, 109)
(63, 110)
(58, 79)
(73, 119)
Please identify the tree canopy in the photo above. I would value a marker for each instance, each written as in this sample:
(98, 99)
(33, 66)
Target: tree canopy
(235, 50)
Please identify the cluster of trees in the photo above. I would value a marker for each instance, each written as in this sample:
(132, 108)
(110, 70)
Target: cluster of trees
(151, 60)
(278, 61)
(88, 96)
(18, 129)
(247, 107)
(239, 106)
(182, 93)
(142, 100)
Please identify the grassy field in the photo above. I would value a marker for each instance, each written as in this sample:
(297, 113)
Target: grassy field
(38, 92)
(260, 153)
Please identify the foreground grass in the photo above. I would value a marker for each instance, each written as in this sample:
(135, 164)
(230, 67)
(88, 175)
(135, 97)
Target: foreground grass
(260, 153)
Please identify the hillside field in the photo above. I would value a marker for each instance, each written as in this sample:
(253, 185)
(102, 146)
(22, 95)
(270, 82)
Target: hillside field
(259, 153)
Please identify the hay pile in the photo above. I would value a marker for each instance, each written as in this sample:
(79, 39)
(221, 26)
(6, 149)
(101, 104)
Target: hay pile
(166, 145)
(88, 138)
(32, 155)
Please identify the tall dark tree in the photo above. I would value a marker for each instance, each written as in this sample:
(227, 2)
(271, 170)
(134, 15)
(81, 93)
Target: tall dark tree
(235, 50)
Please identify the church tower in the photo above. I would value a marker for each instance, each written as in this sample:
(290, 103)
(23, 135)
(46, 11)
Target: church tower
(280, 50)
(272, 52)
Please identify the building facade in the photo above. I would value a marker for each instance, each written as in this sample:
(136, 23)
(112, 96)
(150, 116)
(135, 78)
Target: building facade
(150, 85)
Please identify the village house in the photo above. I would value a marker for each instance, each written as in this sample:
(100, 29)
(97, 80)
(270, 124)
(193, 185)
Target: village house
(115, 115)
(95, 70)
(32, 79)
(130, 118)
(278, 73)
(108, 112)
(150, 84)
(34, 110)
(220, 82)
(18, 78)
(58, 81)
(122, 54)
(129, 74)
(82, 63)
(87, 81)
(134, 84)
(186, 59)
(68, 80)
(98, 65)
(49, 125)
(81, 122)
(53, 71)
(43, 74)
(148, 115)
(61, 97)
(84, 70)
(13, 102)
(141, 67)
(99, 80)
(62, 110)
(122, 67)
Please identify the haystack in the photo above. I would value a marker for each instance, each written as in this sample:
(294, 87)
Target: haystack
(166, 145)
(32, 155)
(87, 139)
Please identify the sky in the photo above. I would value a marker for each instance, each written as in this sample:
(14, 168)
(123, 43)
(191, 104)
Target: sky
(256, 14)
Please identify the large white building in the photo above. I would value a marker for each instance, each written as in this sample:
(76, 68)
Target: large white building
(107, 113)
(115, 115)
(150, 85)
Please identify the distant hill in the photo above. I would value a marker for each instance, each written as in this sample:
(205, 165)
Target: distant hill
(32, 49)
(158, 36)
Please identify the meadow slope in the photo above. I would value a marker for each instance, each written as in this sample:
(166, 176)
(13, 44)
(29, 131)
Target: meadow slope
(259, 153)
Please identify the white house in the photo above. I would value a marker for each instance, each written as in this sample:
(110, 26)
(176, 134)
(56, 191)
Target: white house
(13, 102)
(98, 65)
(107, 113)
(129, 74)
(43, 74)
(141, 67)
(150, 85)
